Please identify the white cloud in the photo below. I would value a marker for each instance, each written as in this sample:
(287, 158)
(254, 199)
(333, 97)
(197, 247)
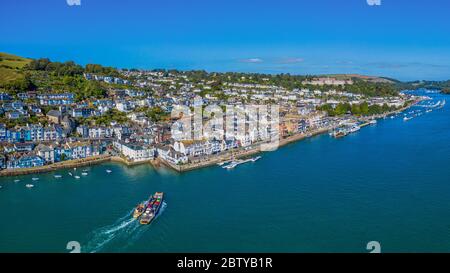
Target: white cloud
(252, 60)
(290, 60)
(73, 2)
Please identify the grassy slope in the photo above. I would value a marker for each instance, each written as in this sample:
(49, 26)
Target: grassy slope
(10, 66)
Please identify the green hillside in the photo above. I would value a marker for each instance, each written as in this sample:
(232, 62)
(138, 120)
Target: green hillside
(10, 67)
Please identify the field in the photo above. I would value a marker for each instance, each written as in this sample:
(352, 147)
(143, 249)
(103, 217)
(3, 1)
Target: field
(10, 66)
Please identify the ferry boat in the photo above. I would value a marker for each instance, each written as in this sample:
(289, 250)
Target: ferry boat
(29, 185)
(152, 209)
(139, 210)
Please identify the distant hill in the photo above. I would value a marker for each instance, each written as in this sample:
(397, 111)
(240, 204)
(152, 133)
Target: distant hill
(362, 77)
(10, 67)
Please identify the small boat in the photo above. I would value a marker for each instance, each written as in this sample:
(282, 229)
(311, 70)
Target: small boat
(29, 185)
(139, 210)
(74, 169)
(407, 118)
(373, 121)
(256, 158)
(70, 174)
(339, 133)
(223, 162)
(17, 180)
(108, 171)
(232, 165)
(35, 178)
(77, 177)
(1, 187)
(84, 173)
(57, 176)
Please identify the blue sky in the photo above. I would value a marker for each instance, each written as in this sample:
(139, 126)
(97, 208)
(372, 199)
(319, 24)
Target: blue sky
(403, 39)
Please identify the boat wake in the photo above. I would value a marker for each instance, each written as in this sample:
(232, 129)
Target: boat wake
(120, 235)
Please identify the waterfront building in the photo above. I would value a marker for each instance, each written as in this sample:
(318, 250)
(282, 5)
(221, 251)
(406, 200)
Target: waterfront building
(46, 152)
(168, 154)
(134, 152)
(193, 148)
(26, 161)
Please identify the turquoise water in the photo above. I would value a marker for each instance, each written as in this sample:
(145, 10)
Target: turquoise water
(389, 183)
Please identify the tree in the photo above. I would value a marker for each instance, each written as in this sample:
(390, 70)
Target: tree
(156, 114)
(20, 85)
(364, 108)
(356, 109)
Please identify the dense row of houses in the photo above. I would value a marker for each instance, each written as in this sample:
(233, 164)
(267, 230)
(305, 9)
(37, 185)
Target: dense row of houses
(141, 139)
(33, 132)
(27, 155)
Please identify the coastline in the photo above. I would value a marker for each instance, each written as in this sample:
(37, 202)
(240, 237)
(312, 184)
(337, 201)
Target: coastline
(57, 166)
(200, 163)
(255, 150)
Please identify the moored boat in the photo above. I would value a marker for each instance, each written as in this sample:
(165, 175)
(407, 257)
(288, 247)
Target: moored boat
(256, 158)
(354, 128)
(29, 185)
